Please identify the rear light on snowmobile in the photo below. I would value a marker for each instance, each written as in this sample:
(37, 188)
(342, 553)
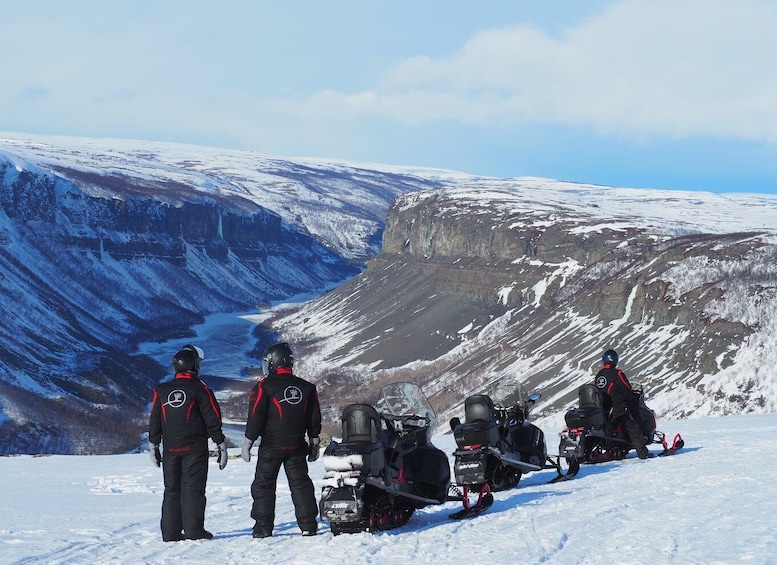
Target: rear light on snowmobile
(571, 433)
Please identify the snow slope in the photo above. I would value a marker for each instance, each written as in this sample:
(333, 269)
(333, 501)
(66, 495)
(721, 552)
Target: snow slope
(715, 502)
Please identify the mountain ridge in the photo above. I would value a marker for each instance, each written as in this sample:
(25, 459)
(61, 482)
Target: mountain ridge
(469, 281)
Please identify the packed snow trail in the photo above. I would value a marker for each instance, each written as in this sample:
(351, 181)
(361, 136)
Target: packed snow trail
(714, 502)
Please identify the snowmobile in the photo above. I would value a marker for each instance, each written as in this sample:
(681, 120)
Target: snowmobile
(385, 466)
(496, 445)
(590, 436)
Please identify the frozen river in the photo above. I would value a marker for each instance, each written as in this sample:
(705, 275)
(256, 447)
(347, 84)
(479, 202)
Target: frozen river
(227, 340)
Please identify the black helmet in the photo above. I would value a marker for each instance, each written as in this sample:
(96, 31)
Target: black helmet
(275, 356)
(610, 357)
(188, 359)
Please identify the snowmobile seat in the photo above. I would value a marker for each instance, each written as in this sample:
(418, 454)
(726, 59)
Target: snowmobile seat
(480, 427)
(590, 413)
(479, 408)
(361, 446)
(589, 397)
(360, 423)
(478, 433)
(368, 458)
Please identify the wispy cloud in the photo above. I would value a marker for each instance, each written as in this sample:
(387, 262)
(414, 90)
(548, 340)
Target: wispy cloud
(642, 67)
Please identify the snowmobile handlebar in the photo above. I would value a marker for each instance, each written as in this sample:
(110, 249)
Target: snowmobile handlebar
(517, 411)
(406, 418)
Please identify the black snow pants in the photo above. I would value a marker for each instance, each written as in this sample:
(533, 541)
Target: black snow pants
(183, 506)
(303, 493)
(634, 432)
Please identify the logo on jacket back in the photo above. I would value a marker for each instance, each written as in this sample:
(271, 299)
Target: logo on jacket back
(601, 381)
(292, 395)
(176, 398)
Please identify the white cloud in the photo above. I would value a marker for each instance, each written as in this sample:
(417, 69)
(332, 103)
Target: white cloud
(666, 67)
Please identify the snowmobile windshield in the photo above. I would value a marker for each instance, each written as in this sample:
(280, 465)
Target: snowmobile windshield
(406, 400)
(509, 392)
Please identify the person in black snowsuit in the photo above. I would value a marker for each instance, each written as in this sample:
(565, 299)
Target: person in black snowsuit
(283, 408)
(184, 413)
(625, 402)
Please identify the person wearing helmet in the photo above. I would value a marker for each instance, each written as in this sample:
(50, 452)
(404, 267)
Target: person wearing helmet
(625, 409)
(184, 414)
(283, 409)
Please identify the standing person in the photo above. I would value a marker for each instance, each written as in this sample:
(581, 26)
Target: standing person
(282, 409)
(184, 413)
(625, 407)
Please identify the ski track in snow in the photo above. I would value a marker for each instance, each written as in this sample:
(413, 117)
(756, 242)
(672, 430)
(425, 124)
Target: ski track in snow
(714, 502)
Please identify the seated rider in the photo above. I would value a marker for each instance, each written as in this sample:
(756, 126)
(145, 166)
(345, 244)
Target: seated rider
(625, 407)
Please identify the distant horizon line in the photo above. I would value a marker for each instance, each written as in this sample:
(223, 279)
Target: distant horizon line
(361, 163)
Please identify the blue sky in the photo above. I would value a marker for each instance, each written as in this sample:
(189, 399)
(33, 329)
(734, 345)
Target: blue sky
(678, 94)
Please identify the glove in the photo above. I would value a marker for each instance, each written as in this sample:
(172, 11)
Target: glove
(223, 457)
(245, 451)
(156, 456)
(315, 447)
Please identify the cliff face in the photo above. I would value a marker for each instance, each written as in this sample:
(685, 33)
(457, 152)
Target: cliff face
(141, 226)
(485, 287)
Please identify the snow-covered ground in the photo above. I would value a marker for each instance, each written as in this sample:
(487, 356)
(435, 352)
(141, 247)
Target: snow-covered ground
(714, 502)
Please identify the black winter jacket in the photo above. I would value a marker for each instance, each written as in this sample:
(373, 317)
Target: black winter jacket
(282, 409)
(184, 413)
(617, 387)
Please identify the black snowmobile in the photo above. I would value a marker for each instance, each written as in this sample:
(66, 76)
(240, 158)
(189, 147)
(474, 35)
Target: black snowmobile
(496, 444)
(591, 437)
(385, 466)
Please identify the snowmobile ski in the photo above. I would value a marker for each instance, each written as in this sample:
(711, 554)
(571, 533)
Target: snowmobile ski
(677, 445)
(485, 500)
(572, 471)
(466, 513)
